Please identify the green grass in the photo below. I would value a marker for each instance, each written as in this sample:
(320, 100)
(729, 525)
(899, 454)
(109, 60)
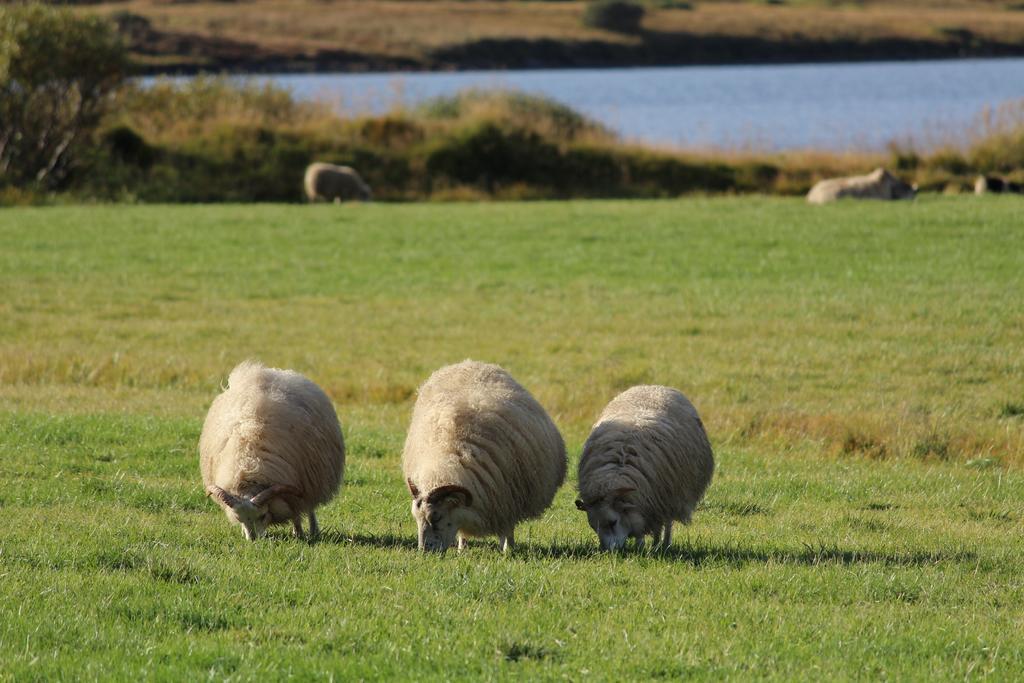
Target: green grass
(859, 368)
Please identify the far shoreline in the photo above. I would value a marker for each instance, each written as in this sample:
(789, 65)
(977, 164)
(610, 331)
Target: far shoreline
(154, 53)
(316, 71)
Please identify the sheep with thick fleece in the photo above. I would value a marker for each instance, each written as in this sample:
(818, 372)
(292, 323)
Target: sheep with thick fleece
(481, 456)
(271, 449)
(331, 183)
(879, 184)
(646, 463)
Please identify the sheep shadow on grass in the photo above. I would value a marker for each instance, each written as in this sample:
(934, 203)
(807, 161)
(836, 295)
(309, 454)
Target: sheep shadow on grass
(687, 552)
(808, 555)
(699, 555)
(386, 541)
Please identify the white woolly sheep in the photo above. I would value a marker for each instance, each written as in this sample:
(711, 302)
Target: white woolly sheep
(879, 184)
(646, 463)
(271, 449)
(327, 182)
(481, 456)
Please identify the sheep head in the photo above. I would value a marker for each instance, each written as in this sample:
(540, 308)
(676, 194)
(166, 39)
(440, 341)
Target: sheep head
(614, 517)
(253, 514)
(439, 515)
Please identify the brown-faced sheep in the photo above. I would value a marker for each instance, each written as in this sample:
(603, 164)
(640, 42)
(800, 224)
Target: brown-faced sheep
(330, 183)
(646, 463)
(481, 456)
(879, 184)
(271, 449)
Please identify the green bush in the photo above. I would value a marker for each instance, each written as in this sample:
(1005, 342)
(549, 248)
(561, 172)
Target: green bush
(1002, 151)
(488, 156)
(621, 16)
(221, 139)
(949, 160)
(518, 109)
(57, 72)
(177, 110)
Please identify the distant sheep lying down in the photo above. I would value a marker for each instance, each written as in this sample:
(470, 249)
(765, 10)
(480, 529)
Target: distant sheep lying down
(271, 449)
(879, 184)
(481, 456)
(646, 463)
(330, 183)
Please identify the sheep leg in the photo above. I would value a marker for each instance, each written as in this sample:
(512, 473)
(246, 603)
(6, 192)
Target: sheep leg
(640, 543)
(656, 537)
(462, 543)
(666, 540)
(297, 526)
(314, 528)
(508, 541)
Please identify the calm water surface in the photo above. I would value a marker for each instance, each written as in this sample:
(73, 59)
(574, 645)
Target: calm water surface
(834, 106)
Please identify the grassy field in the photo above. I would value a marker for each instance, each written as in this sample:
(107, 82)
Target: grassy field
(400, 34)
(859, 367)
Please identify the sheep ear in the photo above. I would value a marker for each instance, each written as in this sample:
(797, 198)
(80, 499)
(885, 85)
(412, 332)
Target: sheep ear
(453, 494)
(580, 505)
(221, 496)
(275, 491)
(412, 488)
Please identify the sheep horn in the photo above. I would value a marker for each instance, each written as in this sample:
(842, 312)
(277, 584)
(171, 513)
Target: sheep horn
(221, 496)
(264, 496)
(412, 488)
(450, 490)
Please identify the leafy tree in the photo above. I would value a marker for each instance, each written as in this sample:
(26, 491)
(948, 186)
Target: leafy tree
(57, 73)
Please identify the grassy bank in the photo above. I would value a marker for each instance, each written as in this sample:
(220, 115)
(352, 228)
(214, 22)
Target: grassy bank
(858, 367)
(72, 126)
(210, 140)
(307, 35)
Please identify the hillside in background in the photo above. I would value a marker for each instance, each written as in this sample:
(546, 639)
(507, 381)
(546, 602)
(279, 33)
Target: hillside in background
(382, 35)
(222, 139)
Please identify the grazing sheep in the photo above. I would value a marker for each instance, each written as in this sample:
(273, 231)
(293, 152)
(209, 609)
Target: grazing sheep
(271, 449)
(481, 456)
(646, 463)
(327, 182)
(985, 184)
(879, 184)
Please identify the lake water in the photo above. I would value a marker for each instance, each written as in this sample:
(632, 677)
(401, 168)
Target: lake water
(833, 106)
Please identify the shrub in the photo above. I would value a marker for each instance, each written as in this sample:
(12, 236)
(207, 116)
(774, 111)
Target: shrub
(486, 155)
(621, 16)
(904, 157)
(390, 130)
(126, 146)
(949, 160)
(178, 110)
(540, 114)
(57, 72)
(1000, 145)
